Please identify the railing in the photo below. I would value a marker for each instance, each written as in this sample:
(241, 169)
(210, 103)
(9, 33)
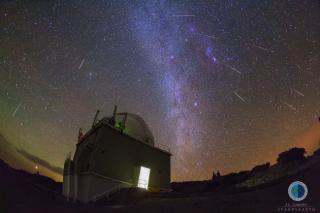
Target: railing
(111, 191)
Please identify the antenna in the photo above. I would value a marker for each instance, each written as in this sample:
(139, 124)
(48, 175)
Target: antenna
(123, 123)
(95, 118)
(115, 111)
(80, 135)
(112, 120)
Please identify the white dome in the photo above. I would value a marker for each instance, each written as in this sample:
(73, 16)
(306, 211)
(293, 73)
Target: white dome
(136, 127)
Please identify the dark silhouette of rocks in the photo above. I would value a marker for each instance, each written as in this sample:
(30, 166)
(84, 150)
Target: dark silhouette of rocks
(292, 155)
(288, 163)
(261, 168)
(261, 189)
(317, 152)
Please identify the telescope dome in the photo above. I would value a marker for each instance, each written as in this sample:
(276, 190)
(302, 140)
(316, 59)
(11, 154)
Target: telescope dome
(135, 127)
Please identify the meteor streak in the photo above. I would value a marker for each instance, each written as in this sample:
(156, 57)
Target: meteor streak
(209, 36)
(264, 49)
(241, 98)
(183, 15)
(234, 69)
(290, 106)
(298, 92)
(16, 110)
(81, 64)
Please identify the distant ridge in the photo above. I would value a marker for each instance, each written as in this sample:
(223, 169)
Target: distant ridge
(21, 191)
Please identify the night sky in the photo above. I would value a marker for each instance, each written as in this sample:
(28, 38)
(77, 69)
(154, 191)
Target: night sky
(226, 85)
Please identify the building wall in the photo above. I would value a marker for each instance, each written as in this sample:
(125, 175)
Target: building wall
(67, 191)
(83, 154)
(68, 179)
(119, 156)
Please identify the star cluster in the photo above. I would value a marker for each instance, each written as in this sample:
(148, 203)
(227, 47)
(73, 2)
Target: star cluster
(225, 84)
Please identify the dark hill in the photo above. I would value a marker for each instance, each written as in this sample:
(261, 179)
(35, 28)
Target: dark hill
(262, 189)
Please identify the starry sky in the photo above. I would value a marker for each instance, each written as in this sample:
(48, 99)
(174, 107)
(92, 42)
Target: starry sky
(226, 85)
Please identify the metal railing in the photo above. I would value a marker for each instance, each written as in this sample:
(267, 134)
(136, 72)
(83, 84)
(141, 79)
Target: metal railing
(114, 190)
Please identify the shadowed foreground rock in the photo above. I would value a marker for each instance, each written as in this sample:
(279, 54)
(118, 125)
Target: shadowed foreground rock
(24, 192)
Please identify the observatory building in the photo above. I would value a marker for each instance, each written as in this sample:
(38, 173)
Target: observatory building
(117, 152)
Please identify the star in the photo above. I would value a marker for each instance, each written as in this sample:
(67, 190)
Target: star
(213, 78)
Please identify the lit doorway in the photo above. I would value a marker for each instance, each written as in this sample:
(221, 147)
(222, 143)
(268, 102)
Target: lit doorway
(143, 180)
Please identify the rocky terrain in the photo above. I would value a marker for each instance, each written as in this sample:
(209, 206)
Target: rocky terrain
(263, 189)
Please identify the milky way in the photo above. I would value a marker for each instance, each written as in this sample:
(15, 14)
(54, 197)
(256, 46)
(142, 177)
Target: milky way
(165, 40)
(224, 84)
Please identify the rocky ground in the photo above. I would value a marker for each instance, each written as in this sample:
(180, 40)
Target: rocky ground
(24, 192)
